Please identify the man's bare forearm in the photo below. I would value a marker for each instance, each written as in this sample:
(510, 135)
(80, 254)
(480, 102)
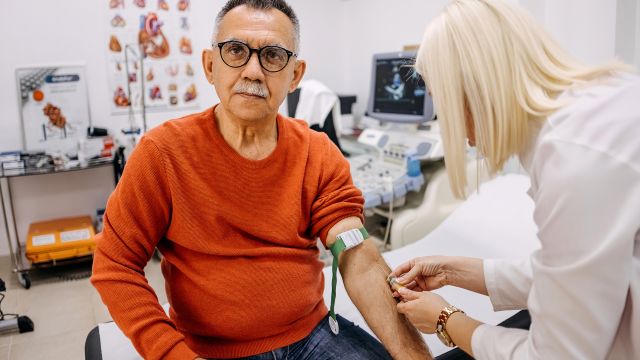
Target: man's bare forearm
(364, 273)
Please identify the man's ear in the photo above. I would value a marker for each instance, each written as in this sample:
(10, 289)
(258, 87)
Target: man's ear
(207, 64)
(298, 74)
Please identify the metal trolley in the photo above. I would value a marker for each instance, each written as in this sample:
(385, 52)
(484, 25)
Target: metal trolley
(6, 202)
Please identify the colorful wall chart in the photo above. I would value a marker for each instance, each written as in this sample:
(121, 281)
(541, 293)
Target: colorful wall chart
(161, 30)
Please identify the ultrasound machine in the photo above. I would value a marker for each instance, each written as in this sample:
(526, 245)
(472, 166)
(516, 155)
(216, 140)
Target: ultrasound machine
(406, 135)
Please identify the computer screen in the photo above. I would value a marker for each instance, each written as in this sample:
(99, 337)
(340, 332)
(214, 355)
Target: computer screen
(398, 93)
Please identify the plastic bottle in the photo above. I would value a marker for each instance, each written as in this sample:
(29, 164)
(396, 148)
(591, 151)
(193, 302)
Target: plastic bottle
(413, 165)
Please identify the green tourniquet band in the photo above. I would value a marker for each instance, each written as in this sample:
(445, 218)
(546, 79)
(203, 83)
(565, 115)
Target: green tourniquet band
(365, 234)
(336, 249)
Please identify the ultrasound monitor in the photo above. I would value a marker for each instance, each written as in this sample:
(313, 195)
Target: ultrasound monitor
(398, 94)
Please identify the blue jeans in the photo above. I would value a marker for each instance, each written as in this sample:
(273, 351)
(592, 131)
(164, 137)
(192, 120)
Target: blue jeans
(352, 343)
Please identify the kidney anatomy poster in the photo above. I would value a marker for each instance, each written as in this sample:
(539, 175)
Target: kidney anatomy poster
(54, 107)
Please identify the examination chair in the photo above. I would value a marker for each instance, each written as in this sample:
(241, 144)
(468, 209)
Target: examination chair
(471, 230)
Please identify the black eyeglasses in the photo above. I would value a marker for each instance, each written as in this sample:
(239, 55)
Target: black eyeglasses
(272, 58)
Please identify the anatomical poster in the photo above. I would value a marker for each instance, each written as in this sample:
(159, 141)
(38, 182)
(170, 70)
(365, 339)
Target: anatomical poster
(149, 41)
(54, 107)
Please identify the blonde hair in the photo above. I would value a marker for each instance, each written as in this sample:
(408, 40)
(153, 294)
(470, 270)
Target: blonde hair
(490, 59)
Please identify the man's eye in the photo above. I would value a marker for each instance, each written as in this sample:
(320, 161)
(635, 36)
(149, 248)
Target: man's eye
(236, 49)
(275, 54)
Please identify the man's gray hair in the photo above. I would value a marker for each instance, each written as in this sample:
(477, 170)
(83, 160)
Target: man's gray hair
(280, 5)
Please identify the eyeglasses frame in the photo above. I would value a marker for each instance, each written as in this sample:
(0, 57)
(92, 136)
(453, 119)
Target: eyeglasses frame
(289, 53)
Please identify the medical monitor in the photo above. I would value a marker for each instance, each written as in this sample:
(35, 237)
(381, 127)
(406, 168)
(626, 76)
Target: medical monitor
(398, 94)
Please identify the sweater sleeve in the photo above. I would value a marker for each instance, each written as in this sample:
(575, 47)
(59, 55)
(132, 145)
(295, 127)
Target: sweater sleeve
(137, 216)
(338, 198)
(586, 211)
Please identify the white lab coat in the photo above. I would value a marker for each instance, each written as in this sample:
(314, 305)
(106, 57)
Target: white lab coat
(582, 287)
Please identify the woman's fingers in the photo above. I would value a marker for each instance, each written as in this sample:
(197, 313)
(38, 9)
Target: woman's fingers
(412, 285)
(402, 268)
(409, 294)
(411, 275)
(403, 307)
(435, 282)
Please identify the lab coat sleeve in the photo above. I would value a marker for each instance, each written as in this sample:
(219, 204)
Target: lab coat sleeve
(508, 283)
(138, 214)
(586, 208)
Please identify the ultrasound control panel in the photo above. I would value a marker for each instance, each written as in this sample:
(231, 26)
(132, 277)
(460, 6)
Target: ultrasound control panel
(382, 182)
(394, 170)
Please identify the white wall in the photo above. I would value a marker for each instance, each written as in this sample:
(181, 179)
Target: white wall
(374, 26)
(322, 39)
(586, 28)
(594, 31)
(637, 42)
(626, 30)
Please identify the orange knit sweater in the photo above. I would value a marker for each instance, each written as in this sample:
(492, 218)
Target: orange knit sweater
(237, 236)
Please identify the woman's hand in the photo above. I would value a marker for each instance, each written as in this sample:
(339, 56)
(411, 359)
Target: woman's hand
(433, 272)
(422, 309)
(422, 274)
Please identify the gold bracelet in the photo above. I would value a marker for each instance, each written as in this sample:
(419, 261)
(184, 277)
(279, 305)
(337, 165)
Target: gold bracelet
(441, 325)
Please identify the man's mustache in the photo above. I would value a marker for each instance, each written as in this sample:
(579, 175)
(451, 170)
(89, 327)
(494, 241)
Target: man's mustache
(254, 88)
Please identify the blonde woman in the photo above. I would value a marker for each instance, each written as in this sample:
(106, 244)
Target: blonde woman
(500, 83)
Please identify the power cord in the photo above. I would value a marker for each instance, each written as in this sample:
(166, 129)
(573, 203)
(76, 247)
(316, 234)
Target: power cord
(3, 316)
(386, 240)
(12, 322)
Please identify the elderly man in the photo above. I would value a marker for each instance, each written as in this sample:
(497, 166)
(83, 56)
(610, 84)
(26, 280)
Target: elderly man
(235, 198)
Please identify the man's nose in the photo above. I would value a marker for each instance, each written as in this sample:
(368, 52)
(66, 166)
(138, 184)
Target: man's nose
(253, 69)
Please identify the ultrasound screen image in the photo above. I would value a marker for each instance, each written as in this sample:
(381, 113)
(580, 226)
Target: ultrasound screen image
(398, 88)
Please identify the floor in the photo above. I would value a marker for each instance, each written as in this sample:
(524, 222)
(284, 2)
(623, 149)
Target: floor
(63, 312)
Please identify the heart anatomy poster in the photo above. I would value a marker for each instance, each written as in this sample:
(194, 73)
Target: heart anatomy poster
(149, 43)
(54, 107)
